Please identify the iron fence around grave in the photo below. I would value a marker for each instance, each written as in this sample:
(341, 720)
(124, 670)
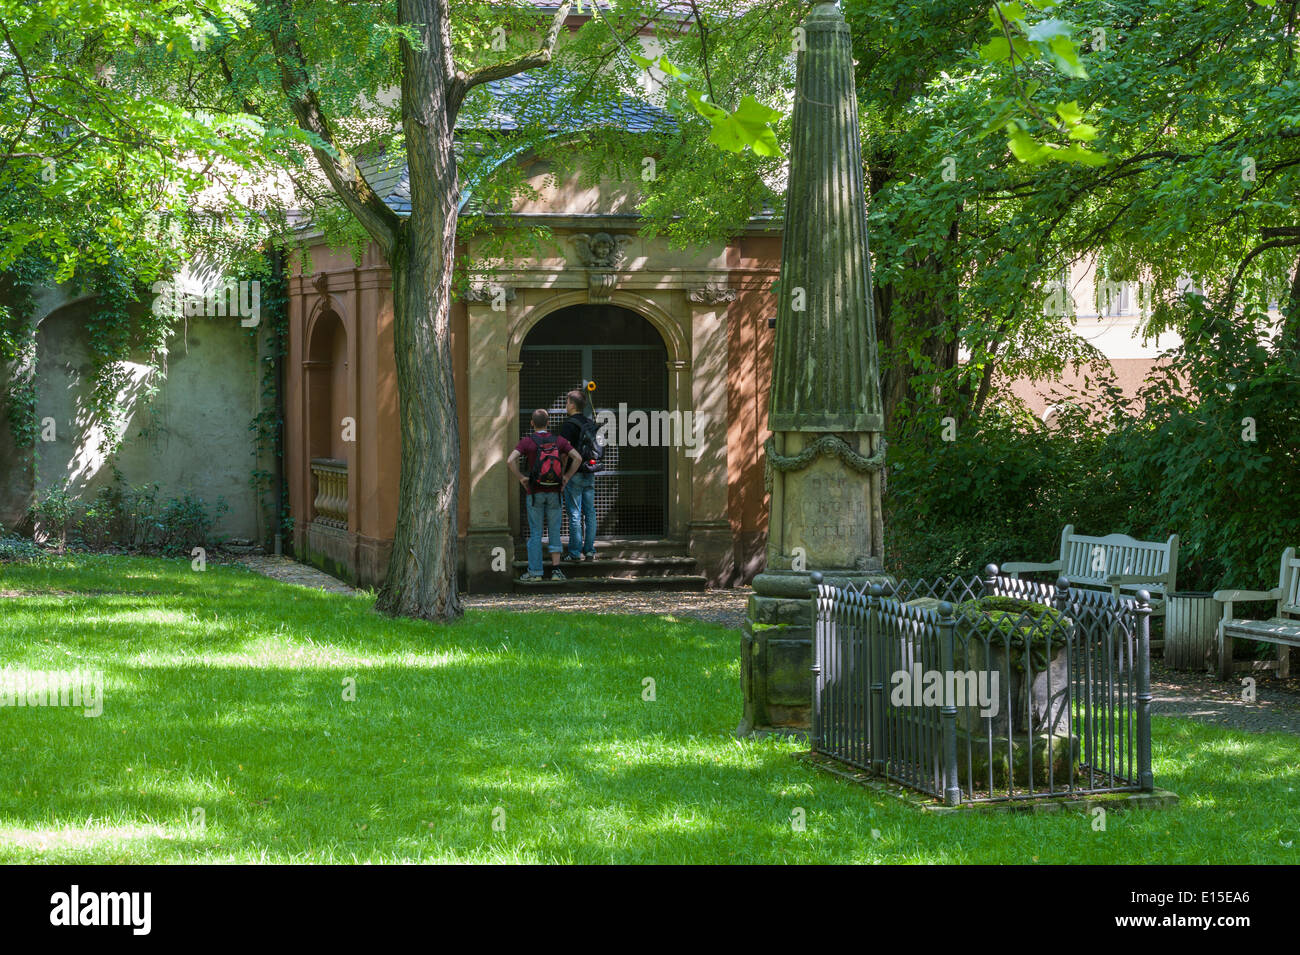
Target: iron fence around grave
(987, 689)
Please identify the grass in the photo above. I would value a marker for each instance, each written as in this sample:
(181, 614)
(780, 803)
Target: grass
(224, 703)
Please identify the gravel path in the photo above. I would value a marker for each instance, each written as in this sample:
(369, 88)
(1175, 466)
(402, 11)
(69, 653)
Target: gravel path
(1201, 697)
(1198, 696)
(726, 607)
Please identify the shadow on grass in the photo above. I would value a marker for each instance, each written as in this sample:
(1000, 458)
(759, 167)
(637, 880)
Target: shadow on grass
(536, 722)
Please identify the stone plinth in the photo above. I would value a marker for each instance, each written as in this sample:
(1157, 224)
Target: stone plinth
(776, 649)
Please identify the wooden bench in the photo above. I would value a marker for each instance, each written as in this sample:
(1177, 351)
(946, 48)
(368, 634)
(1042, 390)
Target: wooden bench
(1118, 563)
(1283, 629)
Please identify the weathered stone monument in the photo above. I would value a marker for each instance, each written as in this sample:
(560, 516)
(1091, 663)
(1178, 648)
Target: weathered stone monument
(826, 450)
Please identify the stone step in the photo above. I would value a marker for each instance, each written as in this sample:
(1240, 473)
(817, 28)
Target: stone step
(632, 548)
(624, 567)
(588, 584)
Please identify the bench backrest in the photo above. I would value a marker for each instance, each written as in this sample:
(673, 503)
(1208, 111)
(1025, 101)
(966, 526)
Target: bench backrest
(1088, 561)
(1289, 583)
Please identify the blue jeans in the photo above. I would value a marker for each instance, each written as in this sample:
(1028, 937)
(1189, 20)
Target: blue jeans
(580, 502)
(542, 507)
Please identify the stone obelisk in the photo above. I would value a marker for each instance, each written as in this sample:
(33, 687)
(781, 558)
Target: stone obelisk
(824, 456)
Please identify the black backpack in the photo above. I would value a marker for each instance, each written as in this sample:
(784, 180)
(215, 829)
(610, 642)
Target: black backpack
(548, 470)
(590, 446)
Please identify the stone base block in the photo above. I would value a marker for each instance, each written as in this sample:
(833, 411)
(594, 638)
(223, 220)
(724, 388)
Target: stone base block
(714, 551)
(489, 557)
(776, 676)
(777, 650)
(333, 550)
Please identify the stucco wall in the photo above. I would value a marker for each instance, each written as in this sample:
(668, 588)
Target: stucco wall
(192, 436)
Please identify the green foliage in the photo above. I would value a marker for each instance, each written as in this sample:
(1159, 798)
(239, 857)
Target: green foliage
(1197, 107)
(122, 517)
(1210, 451)
(54, 512)
(1021, 44)
(185, 523)
(15, 548)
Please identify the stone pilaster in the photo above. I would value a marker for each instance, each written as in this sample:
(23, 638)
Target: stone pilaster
(709, 533)
(489, 545)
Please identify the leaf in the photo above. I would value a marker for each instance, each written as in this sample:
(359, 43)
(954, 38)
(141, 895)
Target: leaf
(667, 67)
(997, 50)
(1070, 112)
(752, 111)
(1046, 30)
(1079, 154)
(1023, 146)
(1066, 57)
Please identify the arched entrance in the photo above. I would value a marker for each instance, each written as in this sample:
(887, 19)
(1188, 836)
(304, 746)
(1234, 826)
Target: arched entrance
(625, 355)
(326, 406)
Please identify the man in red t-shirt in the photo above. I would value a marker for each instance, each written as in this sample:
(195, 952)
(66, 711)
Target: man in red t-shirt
(551, 462)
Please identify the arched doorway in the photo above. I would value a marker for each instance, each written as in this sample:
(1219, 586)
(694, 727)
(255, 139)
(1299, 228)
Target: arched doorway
(326, 374)
(625, 355)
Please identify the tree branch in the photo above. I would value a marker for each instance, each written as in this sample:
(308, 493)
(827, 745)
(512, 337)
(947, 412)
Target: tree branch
(1231, 293)
(379, 220)
(462, 82)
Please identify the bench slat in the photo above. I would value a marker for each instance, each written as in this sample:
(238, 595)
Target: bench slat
(1277, 630)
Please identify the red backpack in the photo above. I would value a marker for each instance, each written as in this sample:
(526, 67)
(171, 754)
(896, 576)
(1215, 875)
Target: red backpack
(548, 471)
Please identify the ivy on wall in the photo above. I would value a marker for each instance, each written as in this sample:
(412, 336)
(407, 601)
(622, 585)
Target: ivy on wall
(268, 424)
(18, 285)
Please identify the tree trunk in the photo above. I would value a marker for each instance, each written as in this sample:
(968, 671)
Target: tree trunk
(421, 580)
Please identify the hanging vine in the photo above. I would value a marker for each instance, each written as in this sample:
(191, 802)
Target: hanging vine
(18, 285)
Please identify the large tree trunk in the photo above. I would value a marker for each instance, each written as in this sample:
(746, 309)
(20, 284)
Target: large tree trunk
(421, 580)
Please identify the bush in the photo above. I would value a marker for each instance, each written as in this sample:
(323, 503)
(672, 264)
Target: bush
(1210, 451)
(53, 513)
(18, 549)
(185, 523)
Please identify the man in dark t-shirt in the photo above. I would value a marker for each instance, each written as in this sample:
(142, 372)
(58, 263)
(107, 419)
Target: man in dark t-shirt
(580, 491)
(543, 498)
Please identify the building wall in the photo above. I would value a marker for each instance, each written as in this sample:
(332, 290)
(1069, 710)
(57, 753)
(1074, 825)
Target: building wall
(192, 436)
(709, 305)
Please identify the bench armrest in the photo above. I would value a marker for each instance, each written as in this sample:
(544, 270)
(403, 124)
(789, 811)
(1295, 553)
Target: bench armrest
(1020, 567)
(1231, 596)
(1137, 579)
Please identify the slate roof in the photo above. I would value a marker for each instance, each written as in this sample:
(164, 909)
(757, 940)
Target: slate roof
(511, 104)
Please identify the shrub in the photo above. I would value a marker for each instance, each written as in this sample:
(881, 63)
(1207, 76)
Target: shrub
(185, 523)
(1180, 460)
(53, 513)
(18, 549)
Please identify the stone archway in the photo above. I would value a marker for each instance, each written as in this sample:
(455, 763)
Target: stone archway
(626, 356)
(326, 405)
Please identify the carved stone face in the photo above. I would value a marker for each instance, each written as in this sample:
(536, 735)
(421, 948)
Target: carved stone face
(602, 247)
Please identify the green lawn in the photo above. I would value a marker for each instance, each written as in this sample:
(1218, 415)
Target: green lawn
(224, 692)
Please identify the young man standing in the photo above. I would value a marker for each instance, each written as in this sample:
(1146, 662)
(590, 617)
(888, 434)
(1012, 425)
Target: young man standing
(580, 492)
(551, 462)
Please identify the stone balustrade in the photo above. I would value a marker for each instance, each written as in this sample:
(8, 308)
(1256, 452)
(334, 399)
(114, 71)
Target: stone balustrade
(331, 502)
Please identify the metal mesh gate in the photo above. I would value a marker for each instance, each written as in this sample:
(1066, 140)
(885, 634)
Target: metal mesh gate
(632, 487)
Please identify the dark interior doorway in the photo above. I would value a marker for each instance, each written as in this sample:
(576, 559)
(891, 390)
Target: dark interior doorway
(624, 354)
